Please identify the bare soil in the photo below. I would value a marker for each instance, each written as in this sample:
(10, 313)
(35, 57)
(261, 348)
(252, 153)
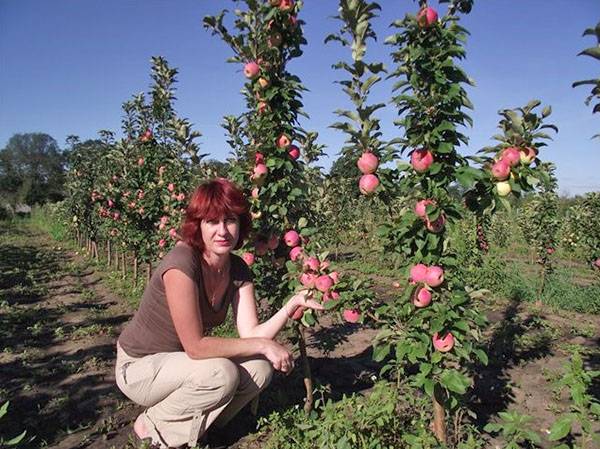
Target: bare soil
(59, 322)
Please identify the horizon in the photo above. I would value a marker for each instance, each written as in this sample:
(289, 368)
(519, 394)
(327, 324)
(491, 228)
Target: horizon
(82, 62)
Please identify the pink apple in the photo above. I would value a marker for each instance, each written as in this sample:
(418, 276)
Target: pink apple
(312, 263)
(443, 344)
(323, 283)
(248, 258)
(254, 193)
(296, 253)
(140, 161)
(291, 238)
(164, 219)
(181, 197)
(260, 170)
(597, 263)
(262, 107)
(330, 296)
(294, 152)
(162, 243)
(427, 17)
(171, 187)
(421, 208)
(335, 276)
(367, 184)
(367, 163)
(259, 158)
(512, 155)
(421, 297)
(172, 233)
(251, 70)
(421, 160)
(286, 5)
(351, 315)
(283, 141)
(434, 276)
(308, 279)
(418, 273)
(501, 170)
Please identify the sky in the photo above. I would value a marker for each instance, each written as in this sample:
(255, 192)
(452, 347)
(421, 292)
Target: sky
(66, 67)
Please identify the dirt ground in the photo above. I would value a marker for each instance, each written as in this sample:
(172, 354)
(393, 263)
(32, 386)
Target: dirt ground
(59, 321)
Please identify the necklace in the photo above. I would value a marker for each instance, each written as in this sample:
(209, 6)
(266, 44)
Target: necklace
(213, 282)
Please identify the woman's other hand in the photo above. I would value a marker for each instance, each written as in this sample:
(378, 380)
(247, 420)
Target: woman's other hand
(301, 301)
(278, 355)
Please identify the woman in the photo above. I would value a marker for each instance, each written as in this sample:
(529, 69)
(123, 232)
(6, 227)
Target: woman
(166, 361)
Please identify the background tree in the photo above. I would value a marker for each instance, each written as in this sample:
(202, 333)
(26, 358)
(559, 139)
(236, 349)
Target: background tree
(32, 169)
(593, 52)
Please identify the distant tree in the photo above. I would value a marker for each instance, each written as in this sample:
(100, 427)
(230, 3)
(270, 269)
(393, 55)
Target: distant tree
(32, 169)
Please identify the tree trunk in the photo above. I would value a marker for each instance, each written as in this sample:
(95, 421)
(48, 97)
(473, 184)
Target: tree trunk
(116, 264)
(108, 254)
(439, 421)
(148, 271)
(123, 266)
(308, 382)
(135, 269)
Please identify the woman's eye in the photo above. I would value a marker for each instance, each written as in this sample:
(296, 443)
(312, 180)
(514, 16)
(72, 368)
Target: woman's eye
(232, 220)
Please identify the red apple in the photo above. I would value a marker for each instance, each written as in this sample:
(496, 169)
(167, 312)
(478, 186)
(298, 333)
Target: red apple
(367, 184)
(501, 170)
(418, 273)
(351, 315)
(251, 70)
(283, 141)
(294, 152)
(421, 160)
(291, 238)
(296, 253)
(323, 283)
(443, 344)
(434, 276)
(367, 163)
(421, 208)
(426, 17)
(421, 297)
(248, 258)
(512, 155)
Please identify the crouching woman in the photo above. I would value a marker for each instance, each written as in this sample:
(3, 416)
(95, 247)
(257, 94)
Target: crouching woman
(167, 361)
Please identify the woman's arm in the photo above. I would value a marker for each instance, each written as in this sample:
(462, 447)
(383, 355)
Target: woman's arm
(182, 294)
(246, 317)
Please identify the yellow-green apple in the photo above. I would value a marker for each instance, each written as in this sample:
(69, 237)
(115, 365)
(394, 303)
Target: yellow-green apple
(503, 188)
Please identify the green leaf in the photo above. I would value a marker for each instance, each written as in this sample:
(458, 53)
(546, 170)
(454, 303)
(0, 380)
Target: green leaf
(455, 381)
(16, 440)
(481, 355)
(302, 222)
(380, 352)
(561, 428)
(594, 52)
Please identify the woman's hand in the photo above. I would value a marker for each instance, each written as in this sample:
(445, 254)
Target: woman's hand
(278, 355)
(301, 301)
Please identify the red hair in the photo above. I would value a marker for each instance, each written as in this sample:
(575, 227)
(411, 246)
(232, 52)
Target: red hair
(214, 200)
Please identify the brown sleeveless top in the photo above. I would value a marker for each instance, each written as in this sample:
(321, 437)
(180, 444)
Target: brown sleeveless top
(151, 329)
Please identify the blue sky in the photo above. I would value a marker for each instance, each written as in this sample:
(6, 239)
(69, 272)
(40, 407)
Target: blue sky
(66, 66)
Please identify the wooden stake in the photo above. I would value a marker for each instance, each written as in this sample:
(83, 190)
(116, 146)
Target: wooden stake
(148, 272)
(123, 267)
(108, 254)
(439, 421)
(308, 382)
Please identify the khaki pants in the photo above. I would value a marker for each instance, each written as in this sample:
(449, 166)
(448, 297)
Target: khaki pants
(185, 396)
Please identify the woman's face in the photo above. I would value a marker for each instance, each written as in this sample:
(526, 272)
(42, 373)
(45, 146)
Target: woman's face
(220, 235)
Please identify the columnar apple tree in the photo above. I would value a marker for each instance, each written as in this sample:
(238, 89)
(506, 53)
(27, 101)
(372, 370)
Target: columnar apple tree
(268, 141)
(362, 128)
(434, 325)
(138, 185)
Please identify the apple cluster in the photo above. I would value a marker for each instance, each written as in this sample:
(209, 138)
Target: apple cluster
(503, 167)
(367, 164)
(426, 279)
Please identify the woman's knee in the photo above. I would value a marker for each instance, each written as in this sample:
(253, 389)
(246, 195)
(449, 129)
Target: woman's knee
(222, 374)
(260, 372)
